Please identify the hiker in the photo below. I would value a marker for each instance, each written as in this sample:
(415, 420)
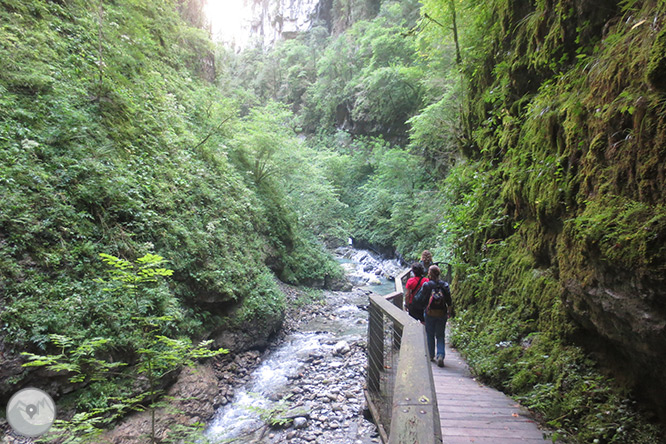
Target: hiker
(413, 285)
(426, 259)
(437, 311)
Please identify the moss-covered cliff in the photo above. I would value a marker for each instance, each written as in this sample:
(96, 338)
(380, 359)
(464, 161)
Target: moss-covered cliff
(112, 140)
(568, 235)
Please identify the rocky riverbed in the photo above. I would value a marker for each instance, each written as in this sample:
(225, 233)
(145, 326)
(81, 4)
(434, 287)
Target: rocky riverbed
(310, 383)
(306, 387)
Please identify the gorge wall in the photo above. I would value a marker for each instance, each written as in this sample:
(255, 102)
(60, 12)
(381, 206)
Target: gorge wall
(265, 22)
(569, 114)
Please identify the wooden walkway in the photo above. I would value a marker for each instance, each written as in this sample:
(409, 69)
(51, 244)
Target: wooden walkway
(473, 413)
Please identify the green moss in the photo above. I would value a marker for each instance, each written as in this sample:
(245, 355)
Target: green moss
(571, 137)
(263, 308)
(627, 233)
(514, 333)
(656, 66)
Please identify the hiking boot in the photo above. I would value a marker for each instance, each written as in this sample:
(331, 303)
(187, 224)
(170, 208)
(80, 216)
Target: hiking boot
(440, 361)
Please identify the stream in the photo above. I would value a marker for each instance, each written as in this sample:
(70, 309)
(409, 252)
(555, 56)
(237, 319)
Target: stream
(313, 380)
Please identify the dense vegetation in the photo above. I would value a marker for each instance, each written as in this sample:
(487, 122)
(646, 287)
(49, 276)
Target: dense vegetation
(113, 141)
(520, 141)
(567, 124)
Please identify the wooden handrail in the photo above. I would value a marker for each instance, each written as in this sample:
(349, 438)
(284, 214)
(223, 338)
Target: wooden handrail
(414, 412)
(397, 296)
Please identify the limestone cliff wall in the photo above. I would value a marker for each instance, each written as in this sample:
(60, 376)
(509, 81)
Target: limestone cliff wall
(265, 22)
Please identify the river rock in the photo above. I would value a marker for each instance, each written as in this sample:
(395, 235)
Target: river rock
(256, 334)
(331, 378)
(341, 348)
(340, 285)
(374, 281)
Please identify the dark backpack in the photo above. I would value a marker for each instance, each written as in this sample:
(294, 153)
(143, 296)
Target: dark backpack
(437, 297)
(419, 297)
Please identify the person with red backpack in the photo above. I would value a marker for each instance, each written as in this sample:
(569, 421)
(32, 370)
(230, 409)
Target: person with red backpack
(412, 286)
(437, 311)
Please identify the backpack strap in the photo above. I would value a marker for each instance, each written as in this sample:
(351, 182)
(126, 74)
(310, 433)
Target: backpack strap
(430, 299)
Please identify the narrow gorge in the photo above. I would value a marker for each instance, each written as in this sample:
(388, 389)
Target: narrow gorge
(174, 175)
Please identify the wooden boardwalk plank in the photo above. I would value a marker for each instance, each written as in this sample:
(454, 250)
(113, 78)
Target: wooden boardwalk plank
(473, 413)
(467, 440)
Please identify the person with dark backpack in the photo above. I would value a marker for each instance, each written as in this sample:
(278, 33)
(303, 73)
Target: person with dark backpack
(437, 310)
(412, 286)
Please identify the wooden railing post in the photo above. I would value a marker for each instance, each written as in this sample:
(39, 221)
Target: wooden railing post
(375, 346)
(415, 416)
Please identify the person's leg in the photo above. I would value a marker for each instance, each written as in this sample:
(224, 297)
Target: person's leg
(430, 335)
(440, 335)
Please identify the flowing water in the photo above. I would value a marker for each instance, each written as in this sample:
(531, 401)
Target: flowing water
(322, 368)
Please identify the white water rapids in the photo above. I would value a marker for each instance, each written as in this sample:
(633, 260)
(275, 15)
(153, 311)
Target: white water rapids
(322, 341)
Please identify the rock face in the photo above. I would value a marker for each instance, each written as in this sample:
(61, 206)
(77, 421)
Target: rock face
(581, 193)
(192, 397)
(623, 318)
(273, 21)
(257, 334)
(265, 22)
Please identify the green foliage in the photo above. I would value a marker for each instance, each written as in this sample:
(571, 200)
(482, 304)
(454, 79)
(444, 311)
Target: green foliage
(144, 159)
(367, 78)
(385, 191)
(279, 413)
(435, 133)
(157, 354)
(307, 264)
(110, 139)
(262, 141)
(297, 201)
(626, 232)
(396, 208)
(309, 296)
(552, 378)
(264, 303)
(547, 198)
(81, 362)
